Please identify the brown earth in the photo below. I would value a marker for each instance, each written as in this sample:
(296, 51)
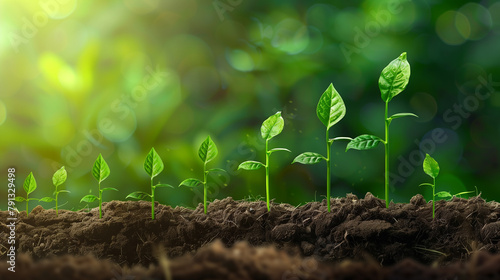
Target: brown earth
(356, 229)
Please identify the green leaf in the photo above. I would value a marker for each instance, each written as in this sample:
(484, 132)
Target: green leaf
(217, 170)
(394, 78)
(163, 185)
(462, 193)
(431, 167)
(100, 170)
(443, 194)
(400, 115)
(427, 184)
(64, 191)
(272, 126)
(47, 199)
(191, 182)
(153, 164)
(208, 150)
(19, 199)
(250, 165)
(30, 183)
(88, 198)
(364, 142)
(340, 138)
(331, 107)
(108, 189)
(279, 149)
(308, 158)
(59, 177)
(138, 195)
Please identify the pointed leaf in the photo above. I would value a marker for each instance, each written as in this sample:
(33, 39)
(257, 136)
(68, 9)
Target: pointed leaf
(217, 170)
(308, 158)
(462, 193)
(340, 138)
(153, 164)
(364, 142)
(250, 165)
(163, 185)
(443, 194)
(64, 191)
(59, 177)
(331, 107)
(109, 189)
(272, 126)
(279, 149)
(100, 170)
(47, 199)
(88, 198)
(431, 167)
(191, 182)
(400, 115)
(427, 184)
(19, 199)
(208, 150)
(30, 183)
(138, 195)
(394, 78)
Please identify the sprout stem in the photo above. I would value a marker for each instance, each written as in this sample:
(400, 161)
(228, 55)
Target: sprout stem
(386, 146)
(328, 170)
(267, 174)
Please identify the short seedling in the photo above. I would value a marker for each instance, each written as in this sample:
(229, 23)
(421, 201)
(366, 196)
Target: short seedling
(100, 171)
(29, 187)
(330, 110)
(207, 152)
(153, 165)
(431, 168)
(392, 81)
(271, 127)
(58, 179)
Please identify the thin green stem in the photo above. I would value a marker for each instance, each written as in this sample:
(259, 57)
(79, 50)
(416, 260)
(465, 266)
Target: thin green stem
(57, 212)
(328, 169)
(205, 173)
(433, 198)
(267, 175)
(152, 200)
(27, 205)
(100, 201)
(386, 145)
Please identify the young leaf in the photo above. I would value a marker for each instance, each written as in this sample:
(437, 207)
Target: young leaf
(364, 142)
(272, 126)
(427, 184)
(309, 158)
(191, 182)
(431, 167)
(64, 191)
(163, 185)
(89, 198)
(340, 138)
(400, 115)
(250, 165)
(138, 195)
(30, 183)
(216, 170)
(394, 78)
(46, 199)
(331, 107)
(278, 149)
(59, 177)
(153, 164)
(100, 170)
(19, 199)
(443, 194)
(208, 150)
(109, 189)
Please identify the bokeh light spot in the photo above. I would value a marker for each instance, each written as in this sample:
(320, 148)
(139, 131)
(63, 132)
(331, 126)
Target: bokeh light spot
(59, 9)
(291, 36)
(116, 127)
(479, 19)
(453, 28)
(240, 60)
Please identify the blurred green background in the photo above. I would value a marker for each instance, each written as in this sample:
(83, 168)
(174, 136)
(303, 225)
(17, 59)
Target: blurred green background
(79, 78)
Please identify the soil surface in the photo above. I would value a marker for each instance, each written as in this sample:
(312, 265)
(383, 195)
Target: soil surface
(356, 229)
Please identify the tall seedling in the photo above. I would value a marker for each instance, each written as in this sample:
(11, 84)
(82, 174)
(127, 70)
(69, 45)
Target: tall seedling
(153, 165)
(58, 179)
(271, 127)
(207, 152)
(330, 110)
(29, 186)
(100, 171)
(392, 81)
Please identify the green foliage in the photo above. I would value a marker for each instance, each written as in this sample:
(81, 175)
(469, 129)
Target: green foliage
(100, 171)
(431, 168)
(392, 81)
(330, 110)
(207, 152)
(153, 165)
(58, 179)
(29, 186)
(271, 127)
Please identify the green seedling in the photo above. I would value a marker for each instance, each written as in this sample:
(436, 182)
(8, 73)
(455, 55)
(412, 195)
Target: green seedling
(330, 110)
(431, 168)
(100, 171)
(29, 186)
(58, 179)
(392, 81)
(207, 152)
(153, 165)
(271, 127)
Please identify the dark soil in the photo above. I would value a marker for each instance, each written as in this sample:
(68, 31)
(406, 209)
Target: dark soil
(356, 229)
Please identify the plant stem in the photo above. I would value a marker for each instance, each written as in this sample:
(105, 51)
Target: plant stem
(433, 198)
(386, 146)
(27, 205)
(57, 212)
(205, 187)
(152, 200)
(328, 169)
(100, 199)
(267, 175)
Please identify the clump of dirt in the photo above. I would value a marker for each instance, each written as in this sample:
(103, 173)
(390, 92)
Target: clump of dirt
(245, 262)
(354, 229)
